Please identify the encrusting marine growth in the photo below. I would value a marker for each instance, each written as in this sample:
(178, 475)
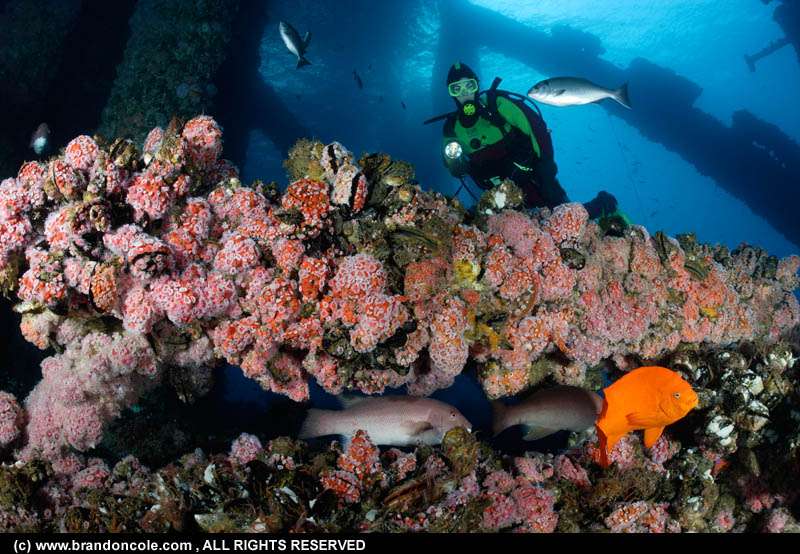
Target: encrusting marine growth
(134, 265)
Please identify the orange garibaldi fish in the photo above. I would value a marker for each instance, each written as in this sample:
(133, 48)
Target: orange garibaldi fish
(648, 398)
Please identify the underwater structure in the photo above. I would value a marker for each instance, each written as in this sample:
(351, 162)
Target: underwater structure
(787, 15)
(186, 42)
(208, 60)
(139, 266)
(665, 110)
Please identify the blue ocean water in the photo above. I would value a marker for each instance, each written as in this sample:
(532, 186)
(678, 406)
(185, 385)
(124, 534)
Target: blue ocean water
(678, 162)
(401, 51)
(711, 146)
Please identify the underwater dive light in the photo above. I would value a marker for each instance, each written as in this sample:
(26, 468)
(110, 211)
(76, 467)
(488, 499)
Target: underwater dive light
(453, 150)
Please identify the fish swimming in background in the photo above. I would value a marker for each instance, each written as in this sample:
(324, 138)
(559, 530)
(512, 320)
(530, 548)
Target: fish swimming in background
(574, 91)
(403, 104)
(648, 398)
(295, 45)
(390, 420)
(358, 80)
(39, 138)
(548, 411)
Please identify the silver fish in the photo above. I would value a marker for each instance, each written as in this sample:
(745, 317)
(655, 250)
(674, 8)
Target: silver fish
(296, 45)
(39, 138)
(389, 420)
(548, 411)
(574, 91)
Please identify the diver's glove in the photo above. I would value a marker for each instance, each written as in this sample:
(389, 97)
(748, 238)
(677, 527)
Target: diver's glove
(602, 204)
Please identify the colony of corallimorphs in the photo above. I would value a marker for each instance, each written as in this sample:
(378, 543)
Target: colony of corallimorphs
(139, 267)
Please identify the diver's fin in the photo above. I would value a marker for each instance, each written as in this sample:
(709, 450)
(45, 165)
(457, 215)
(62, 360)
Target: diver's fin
(417, 427)
(535, 433)
(651, 436)
(498, 412)
(621, 96)
(307, 39)
(643, 420)
(301, 61)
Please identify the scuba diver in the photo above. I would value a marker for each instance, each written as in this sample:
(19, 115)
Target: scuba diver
(495, 135)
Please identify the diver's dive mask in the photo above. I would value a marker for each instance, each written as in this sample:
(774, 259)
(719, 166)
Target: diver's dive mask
(464, 86)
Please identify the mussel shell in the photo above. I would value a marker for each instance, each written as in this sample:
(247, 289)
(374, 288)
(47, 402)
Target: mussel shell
(730, 360)
(338, 346)
(573, 258)
(613, 226)
(720, 432)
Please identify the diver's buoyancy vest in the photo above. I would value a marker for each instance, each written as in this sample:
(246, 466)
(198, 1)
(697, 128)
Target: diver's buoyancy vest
(482, 133)
(490, 113)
